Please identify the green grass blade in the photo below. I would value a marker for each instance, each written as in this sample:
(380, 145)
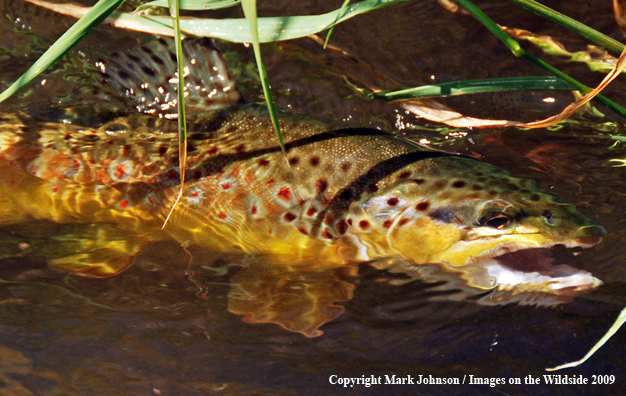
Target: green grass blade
(192, 5)
(519, 52)
(619, 322)
(270, 29)
(249, 10)
(572, 24)
(344, 7)
(70, 38)
(468, 87)
(182, 121)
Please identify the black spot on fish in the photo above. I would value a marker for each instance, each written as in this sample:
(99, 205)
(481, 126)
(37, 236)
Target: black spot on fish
(240, 148)
(512, 187)
(535, 197)
(148, 71)
(311, 211)
(458, 184)
(477, 187)
(342, 226)
(212, 150)
(404, 174)
(420, 181)
(197, 174)
(133, 57)
(146, 50)
(263, 162)
(345, 166)
(444, 214)
(157, 60)
(289, 217)
(315, 161)
(321, 185)
(387, 224)
(350, 221)
(123, 75)
(293, 160)
(68, 136)
(393, 201)
(191, 148)
(162, 150)
(345, 195)
(326, 234)
(172, 174)
(372, 188)
(364, 224)
(422, 206)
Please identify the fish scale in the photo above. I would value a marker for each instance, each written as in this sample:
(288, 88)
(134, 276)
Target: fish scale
(342, 195)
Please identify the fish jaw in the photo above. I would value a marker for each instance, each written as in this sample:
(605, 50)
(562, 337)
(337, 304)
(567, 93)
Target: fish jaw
(520, 263)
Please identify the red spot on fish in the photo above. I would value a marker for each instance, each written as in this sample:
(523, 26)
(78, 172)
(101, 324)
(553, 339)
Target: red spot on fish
(222, 215)
(387, 223)
(263, 162)
(14, 164)
(303, 231)
(77, 163)
(312, 210)
(328, 218)
(195, 195)
(226, 186)
(212, 150)
(124, 204)
(150, 200)
(172, 174)
(253, 210)
(403, 221)
(54, 189)
(284, 193)
(364, 224)
(119, 172)
(270, 182)
(125, 151)
(315, 161)
(240, 148)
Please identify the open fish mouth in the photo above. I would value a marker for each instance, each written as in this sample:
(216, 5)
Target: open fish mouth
(537, 268)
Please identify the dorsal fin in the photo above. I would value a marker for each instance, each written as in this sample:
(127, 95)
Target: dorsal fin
(146, 77)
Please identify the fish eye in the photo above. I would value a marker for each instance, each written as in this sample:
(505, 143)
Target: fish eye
(497, 220)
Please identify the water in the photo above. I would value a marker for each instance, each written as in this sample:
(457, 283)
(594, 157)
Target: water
(164, 327)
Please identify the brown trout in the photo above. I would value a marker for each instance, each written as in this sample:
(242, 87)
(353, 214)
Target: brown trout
(342, 196)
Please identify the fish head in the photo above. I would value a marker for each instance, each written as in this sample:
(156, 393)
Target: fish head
(498, 228)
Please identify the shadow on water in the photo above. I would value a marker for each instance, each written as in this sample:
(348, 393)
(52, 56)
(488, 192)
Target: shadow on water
(234, 324)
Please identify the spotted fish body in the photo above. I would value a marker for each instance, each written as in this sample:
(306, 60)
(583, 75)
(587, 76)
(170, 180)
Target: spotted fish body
(341, 196)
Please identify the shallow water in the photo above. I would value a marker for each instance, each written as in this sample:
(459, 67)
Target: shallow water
(163, 326)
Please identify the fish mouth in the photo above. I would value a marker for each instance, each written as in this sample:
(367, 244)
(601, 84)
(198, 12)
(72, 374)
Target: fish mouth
(522, 268)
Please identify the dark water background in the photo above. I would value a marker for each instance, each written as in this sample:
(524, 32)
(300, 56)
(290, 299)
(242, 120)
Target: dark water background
(151, 330)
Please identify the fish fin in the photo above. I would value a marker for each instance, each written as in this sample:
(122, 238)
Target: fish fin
(93, 250)
(146, 76)
(296, 300)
